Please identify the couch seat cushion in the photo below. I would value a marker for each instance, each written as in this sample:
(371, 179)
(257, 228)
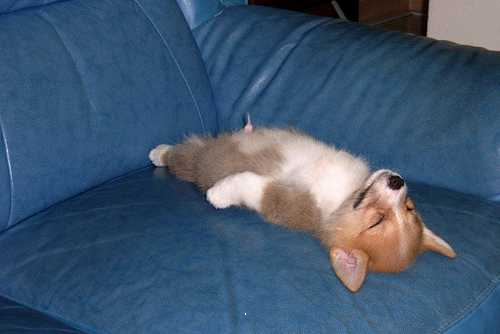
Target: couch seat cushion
(146, 253)
(15, 318)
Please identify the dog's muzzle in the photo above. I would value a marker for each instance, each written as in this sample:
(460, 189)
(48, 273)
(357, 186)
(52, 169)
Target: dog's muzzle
(395, 182)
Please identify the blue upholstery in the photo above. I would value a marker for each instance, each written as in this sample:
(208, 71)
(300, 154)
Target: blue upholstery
(13, 5)
(199, 11)
(147, 254)
(427, 109)
(81, 84)
(196, 11)
(92, 236)
(483, 319)
(15, 319)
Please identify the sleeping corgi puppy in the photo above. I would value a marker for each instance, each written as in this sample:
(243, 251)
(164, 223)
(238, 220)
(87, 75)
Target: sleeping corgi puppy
(366, 220)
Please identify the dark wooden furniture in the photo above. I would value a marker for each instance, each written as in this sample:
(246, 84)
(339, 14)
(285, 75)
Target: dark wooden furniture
(402, 15)
(315, 7)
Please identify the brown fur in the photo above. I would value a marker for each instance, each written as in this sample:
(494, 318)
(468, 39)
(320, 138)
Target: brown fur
(181, 158)
(205, 161)
(291, 207)
(350, 229)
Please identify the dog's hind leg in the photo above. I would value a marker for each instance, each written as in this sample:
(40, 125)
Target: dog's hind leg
(158, 155)
(180, 159)
(241, 189)
(290, 206)
(279, 203)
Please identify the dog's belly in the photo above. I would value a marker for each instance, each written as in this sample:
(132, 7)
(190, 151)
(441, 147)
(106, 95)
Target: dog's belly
(329, 174)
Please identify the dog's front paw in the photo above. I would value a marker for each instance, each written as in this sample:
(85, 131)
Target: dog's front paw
(221, 195)
(157, 155)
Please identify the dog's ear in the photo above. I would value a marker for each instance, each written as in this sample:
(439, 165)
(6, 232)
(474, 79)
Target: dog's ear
(431, 242)
(350, 266)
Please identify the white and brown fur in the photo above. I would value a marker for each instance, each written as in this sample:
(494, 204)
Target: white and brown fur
(296, 181)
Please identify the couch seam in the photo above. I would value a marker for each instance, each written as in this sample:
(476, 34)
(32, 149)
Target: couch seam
(181, 72)
(9, 167)
(217, 14)
(466, 310)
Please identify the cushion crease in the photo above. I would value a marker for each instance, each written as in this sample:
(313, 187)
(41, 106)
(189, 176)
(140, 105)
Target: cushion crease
(76, 325)
(181, 72)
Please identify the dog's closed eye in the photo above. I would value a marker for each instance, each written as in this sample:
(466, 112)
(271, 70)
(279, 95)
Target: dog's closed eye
(378, 222)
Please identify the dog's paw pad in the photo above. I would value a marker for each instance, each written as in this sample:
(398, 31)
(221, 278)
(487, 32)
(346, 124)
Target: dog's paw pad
(218, 197)
(156, 155)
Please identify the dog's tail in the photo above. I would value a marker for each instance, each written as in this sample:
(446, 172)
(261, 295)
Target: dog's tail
(248, 126)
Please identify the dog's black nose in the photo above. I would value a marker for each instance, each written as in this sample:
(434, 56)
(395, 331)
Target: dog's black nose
(395, 182)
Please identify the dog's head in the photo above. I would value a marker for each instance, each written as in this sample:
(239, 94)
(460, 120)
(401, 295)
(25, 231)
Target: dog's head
(378, 229)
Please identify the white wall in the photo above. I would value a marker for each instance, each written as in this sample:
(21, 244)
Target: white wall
(472, 22)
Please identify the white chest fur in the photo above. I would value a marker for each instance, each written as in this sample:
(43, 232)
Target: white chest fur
(330, 175)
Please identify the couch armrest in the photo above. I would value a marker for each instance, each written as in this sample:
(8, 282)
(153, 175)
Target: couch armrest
(426, 108)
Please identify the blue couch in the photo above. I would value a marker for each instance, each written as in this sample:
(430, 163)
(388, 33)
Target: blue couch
(95, 240)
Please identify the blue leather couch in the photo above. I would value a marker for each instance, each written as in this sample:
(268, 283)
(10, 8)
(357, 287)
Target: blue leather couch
(95, 240)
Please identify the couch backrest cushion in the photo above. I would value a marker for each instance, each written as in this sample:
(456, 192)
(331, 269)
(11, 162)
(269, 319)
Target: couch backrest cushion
(87, 88)
(199, 11)
(11, 6)
(428, 109)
